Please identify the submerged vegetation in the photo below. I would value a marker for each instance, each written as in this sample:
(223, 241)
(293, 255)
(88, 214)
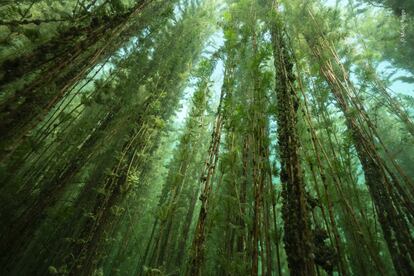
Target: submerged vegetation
(206, 137)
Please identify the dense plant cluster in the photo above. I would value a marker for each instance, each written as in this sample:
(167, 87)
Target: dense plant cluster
(203, 137)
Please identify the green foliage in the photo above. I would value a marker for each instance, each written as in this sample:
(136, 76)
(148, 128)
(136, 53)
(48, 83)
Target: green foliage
(102, 174)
